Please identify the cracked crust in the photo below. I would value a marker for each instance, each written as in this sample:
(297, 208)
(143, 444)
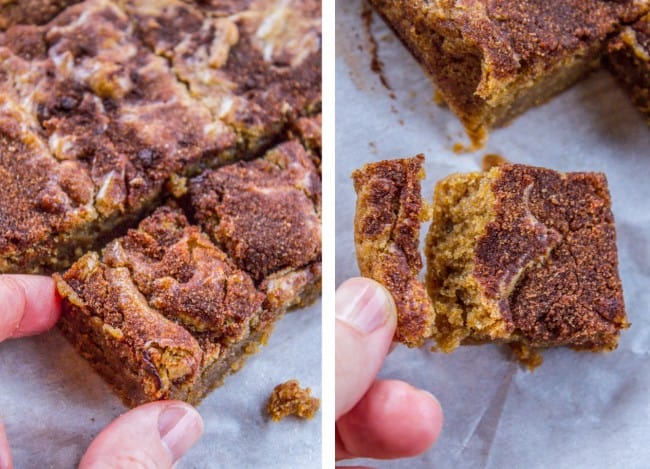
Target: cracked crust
(491, 60)
(95, 125)
(628, 57)
(254, 65)
(163, 313)
(525, 255)
(266, 215)
(386, 232)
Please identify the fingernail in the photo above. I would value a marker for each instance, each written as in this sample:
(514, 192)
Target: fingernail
(363, 305)
(179, 427)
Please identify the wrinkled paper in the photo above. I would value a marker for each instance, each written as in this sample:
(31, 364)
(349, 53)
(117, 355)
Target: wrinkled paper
(578, 409)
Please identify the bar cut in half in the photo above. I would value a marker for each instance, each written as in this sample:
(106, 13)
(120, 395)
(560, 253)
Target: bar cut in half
(527, 256)
(389, 212)
(519, 255)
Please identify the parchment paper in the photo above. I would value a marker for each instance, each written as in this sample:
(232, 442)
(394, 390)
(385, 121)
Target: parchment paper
(53, 404)
(577, 410)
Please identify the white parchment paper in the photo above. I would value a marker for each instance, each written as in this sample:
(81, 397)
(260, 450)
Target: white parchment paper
(53, 404)
(578, 410)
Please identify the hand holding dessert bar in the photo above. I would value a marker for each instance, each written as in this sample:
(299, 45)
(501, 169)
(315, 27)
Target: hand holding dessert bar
(165, 430)
(375, 418)
(519, 255)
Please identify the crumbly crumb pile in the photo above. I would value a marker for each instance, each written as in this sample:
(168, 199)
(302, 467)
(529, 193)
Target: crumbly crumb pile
(290, 399)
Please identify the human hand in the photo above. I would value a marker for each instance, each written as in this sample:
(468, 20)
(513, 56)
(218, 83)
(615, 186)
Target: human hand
(152, 435)
(375, 418)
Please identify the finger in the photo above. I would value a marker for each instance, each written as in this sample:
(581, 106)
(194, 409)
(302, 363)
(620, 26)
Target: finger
(365, 325)
(154, 435)
(5, 453)
(29, 305)
(393, 420)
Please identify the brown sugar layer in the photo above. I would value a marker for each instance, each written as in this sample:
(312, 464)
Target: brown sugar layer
(527, 256)
(254, 65)
(96, 125)
(290, 399)
(628, 57)
(387, 222)
(162, 313)
(266, 215)
(491, 60)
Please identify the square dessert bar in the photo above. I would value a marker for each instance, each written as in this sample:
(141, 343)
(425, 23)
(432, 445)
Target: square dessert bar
(265, 214)
(527, 256)
(387, 222)
(108, 106)
(628, 57)
(162, 313)
(491, 60)
(256, 66)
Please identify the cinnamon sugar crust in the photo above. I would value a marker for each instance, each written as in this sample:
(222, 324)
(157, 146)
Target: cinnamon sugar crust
(266, 215)
(628, 57)
(386, 232)
(110, 124)
(492, 60)
(163, 313)
(535, 266)
(255, 65)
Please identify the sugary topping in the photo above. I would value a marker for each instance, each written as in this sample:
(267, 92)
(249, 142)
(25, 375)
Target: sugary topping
(522, 34)
(555, 233)
(185, 277)
(264, 213)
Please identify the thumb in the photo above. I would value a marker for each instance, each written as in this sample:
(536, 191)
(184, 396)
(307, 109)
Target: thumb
(154, 435)
(365, 325)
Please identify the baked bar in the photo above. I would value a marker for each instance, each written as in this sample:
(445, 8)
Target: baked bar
(162, 313)
(628, 57)
(93, 127)
(387, 234)
(491, 60)
(290, 399)
(254, 64)
(527, 256)
(266, 215)
(96, 126)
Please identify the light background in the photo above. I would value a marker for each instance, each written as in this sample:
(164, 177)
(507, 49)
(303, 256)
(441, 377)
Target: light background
(578, 409)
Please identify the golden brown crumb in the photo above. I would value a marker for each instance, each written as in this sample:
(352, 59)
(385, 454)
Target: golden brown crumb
(290, 399)
(491, 160)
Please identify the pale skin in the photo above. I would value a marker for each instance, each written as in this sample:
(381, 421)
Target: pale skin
(154, 435)
(381, 419)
